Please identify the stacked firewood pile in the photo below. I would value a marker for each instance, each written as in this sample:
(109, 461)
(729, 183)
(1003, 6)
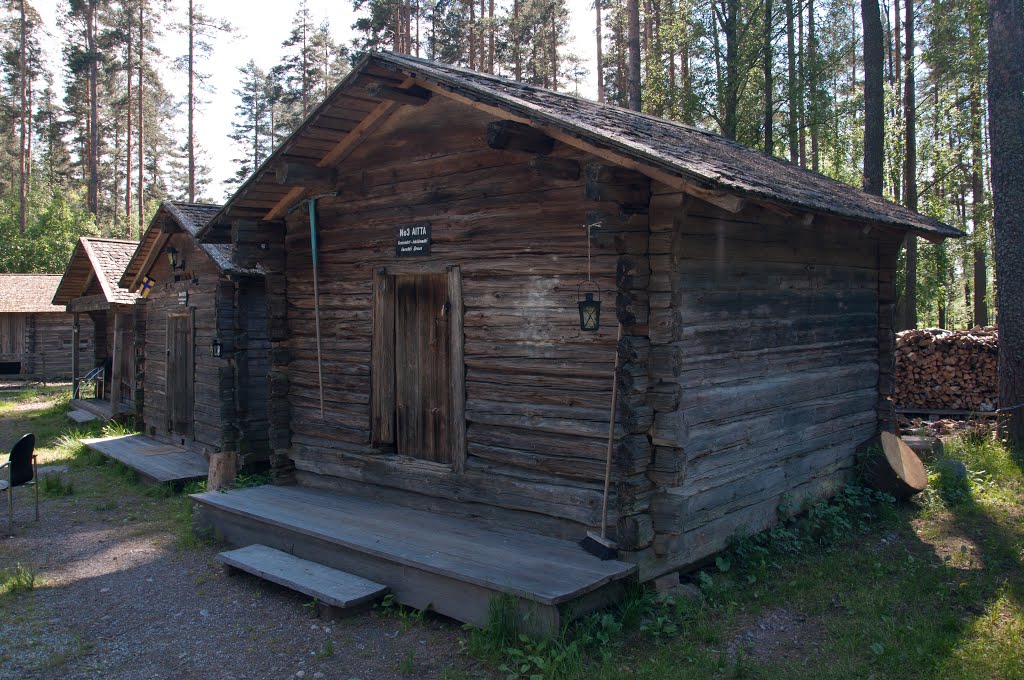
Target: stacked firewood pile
(947, 370)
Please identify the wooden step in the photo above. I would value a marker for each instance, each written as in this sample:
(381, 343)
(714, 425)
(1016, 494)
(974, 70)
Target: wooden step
(153, 460)
(329, 586)
(80, 417)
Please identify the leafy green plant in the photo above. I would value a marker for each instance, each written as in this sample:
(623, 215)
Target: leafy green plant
(247, 481)
(407, 616)
(16, 579)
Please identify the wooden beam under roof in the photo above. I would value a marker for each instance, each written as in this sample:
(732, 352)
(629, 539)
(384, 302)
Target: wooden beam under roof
(411, 96)
(346, 146)
(723, 199)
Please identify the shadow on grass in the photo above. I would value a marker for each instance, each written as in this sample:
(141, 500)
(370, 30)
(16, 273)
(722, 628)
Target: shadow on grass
(901, 600)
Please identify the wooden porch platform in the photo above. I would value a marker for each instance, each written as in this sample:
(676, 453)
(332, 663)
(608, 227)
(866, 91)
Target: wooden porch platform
(452, 565)
(153, 460)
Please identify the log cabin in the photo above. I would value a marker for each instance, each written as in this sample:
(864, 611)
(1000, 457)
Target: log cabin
(35, 334)
(433, 232)
(204, 350)
(89, 290)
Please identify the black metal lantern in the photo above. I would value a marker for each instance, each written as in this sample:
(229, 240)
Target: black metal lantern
(590, 309)
(172, 257)
(217, 349)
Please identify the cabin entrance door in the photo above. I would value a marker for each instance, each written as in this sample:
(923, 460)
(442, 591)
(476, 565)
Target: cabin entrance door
(422, 367)
(180, 378)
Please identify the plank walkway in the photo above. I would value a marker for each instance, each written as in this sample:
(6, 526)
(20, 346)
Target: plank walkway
(329, 586)
(540, 569)
(151, 459)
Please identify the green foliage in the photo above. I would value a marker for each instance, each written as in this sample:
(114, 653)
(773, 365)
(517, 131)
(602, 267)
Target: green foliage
(16, 579)
(407, 616)
(56, 221)
(249, 480)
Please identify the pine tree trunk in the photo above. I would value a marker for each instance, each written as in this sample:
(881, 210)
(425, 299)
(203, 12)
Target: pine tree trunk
(873, 97)
(472, 34)
(554, 52)
(732, 56)
(769, 141)
(600, 67)
(794, 153)
(191, 104)
(815, 95)
(305, 71)
(633, 49)
(490, 38)
(1006, 120)
(23, 87)
(517, 43)
(898, 70)
(94, 112)
(910, 169)
(980, 287)
(128, 129)
(978, 202)
(801, 88)
(142, 121)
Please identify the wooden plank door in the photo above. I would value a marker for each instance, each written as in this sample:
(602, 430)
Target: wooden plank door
(423, 367)
(179, 373)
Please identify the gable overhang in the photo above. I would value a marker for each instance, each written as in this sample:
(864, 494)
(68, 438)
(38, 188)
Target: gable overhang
(264, 197)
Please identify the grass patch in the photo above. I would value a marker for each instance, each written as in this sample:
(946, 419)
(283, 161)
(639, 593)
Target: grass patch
(56, 486)
(16, 579)
(866, 588)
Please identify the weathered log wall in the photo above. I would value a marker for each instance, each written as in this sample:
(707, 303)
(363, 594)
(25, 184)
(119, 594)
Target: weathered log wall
(249, 349)
(756, 351)
(41, 343)
(765, 338)
(211, 304)
(537, 388)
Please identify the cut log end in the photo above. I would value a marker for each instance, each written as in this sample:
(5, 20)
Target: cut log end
(899, 472)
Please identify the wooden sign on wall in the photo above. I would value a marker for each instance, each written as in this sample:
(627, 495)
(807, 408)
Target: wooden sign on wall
(412, 240)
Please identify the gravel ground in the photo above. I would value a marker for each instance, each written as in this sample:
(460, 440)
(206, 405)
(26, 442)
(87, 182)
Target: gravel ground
(119, 596)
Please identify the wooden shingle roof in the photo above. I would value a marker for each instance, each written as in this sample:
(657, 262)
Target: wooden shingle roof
(173, 216)
(704, 164)
(97, 259)
(28, 293)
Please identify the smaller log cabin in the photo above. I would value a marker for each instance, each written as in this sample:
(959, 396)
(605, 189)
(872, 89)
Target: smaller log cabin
(203, 360)
(35, 334)
(430, 228)
(89, 290)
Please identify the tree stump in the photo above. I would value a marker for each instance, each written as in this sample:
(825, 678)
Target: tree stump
(224, 466)
(899, 472)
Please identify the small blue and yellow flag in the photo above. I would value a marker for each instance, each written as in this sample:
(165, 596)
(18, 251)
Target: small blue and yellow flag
(147, 285)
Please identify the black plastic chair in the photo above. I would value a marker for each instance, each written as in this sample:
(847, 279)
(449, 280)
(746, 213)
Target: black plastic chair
(21, 469)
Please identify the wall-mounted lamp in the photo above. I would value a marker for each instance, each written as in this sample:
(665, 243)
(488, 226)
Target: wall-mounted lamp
(216, 346)
(264, 245)
(590, 309)
(177, 263)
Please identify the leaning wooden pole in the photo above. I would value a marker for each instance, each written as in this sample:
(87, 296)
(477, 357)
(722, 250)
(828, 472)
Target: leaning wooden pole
(600, 545)
(316, 302)
(611, 438)
(311, 205)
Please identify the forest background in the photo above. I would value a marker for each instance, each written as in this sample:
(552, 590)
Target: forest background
(93, 139)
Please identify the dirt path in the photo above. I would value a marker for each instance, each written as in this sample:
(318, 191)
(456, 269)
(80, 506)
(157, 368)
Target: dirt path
(123, 592)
